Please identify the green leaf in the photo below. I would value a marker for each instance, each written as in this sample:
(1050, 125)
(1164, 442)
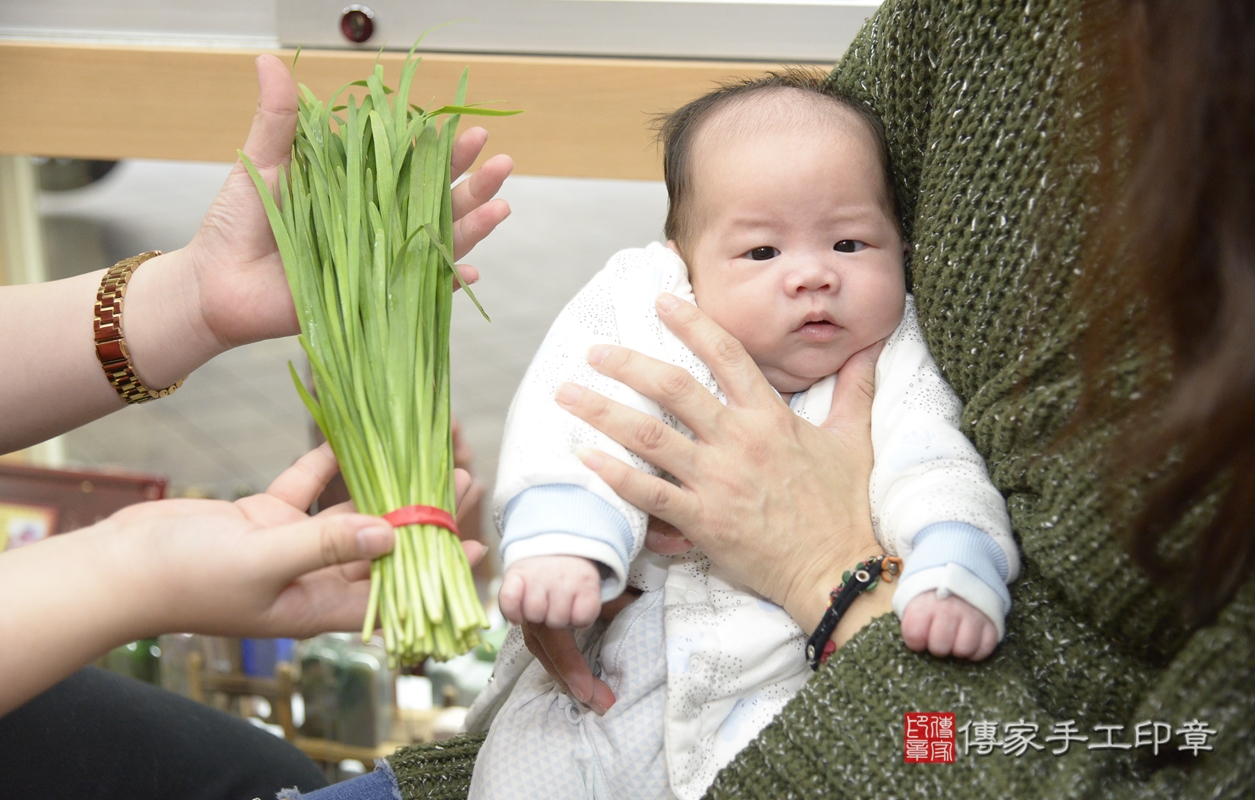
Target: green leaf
(363, 221)
(476, 111)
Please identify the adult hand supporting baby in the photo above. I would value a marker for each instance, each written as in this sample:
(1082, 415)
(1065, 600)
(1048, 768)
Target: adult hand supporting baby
(557, 652)
(780, 504)
(257, 567)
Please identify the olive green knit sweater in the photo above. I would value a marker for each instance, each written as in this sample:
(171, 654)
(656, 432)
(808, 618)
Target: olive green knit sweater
(979, 98)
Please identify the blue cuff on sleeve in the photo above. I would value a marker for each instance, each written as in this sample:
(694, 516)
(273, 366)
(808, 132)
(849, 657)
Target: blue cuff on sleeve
(567, 508)
(966, 545)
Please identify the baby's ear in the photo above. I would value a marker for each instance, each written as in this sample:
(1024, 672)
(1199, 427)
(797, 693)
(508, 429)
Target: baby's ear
(675, 248)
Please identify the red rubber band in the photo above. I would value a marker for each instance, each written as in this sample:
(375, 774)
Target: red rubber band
(422, 515)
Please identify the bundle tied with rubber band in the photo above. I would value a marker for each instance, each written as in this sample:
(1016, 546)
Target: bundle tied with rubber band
(364, 224)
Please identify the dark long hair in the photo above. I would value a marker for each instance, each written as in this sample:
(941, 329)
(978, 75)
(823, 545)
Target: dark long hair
(1177, 246)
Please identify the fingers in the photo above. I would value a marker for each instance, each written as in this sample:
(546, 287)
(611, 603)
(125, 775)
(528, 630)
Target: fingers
(988, 641)
(475, 212)
(585, 606)
(967, 638)
(539, 647)
(856, 385)
(482, 185)
(665, 539)
(463, 453)
(467, 146)
(301, 484)
(976, 637)
(510, 597)
(648, 437)
(471, 229)
(661, 499)
(553, 607)
(558, 653)
(462, 482)
(941, 634)
(474, 494)
(269, 141)
(346, 507)
(948, 627)
(323, 541)
(467, 276)
(467, 491)
(475, 551)
(734, 370)
(670, 386)
(916, 621)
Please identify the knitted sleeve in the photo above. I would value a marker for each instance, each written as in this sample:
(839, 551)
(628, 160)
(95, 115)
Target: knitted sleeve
(990, 150)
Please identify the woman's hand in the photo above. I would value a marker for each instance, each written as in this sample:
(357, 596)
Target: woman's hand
(244, 294)
(256, 567)
(557, 652)
(780, 504)
(260, 566)
(228, 285)
(226, 288)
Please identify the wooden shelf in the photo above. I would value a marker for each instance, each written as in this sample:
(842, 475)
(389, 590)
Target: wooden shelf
(585, 117)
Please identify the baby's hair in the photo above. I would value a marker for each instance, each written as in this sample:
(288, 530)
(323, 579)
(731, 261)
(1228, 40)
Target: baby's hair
(677, 130)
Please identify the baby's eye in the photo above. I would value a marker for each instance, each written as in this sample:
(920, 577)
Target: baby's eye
(848, 246)
(763, 253)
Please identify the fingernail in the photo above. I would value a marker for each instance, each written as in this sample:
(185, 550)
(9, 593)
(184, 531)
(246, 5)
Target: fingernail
(569, 394)
(375, 540)
(577, 695)
(591, 458)
(667, 301)
(598, 707)
(597, 353)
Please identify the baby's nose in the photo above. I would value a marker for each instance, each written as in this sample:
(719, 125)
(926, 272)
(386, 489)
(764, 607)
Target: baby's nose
(812, 277)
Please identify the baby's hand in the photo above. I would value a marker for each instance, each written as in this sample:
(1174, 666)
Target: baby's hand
(555, 591)
(948, 626)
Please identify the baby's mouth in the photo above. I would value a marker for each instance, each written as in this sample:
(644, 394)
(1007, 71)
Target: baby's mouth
(819, 327)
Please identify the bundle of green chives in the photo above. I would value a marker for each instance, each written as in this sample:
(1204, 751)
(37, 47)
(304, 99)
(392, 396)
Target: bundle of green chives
(364, 225)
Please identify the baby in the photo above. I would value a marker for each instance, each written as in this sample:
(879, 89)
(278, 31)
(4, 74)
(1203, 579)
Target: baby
(782, 227)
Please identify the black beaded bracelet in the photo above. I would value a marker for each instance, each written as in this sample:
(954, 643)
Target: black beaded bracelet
(862, 578)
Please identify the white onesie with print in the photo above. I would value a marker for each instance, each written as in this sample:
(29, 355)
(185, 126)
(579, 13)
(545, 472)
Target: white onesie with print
(731, 659)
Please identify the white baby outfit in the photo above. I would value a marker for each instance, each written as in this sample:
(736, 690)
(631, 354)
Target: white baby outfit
(699, 664)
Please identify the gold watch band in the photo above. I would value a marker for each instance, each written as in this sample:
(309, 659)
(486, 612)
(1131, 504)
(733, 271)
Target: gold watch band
(111, 347)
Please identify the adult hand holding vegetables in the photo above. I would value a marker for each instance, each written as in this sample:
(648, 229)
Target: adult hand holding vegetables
(226, 288)
(256, 567)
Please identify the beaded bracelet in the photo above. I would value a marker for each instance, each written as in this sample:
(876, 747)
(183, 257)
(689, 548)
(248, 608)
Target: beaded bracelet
(863, 578)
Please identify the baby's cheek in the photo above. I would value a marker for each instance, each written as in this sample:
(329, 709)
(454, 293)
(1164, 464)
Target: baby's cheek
(885, 304)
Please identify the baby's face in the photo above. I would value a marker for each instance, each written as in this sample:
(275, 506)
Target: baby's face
(794, 252)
